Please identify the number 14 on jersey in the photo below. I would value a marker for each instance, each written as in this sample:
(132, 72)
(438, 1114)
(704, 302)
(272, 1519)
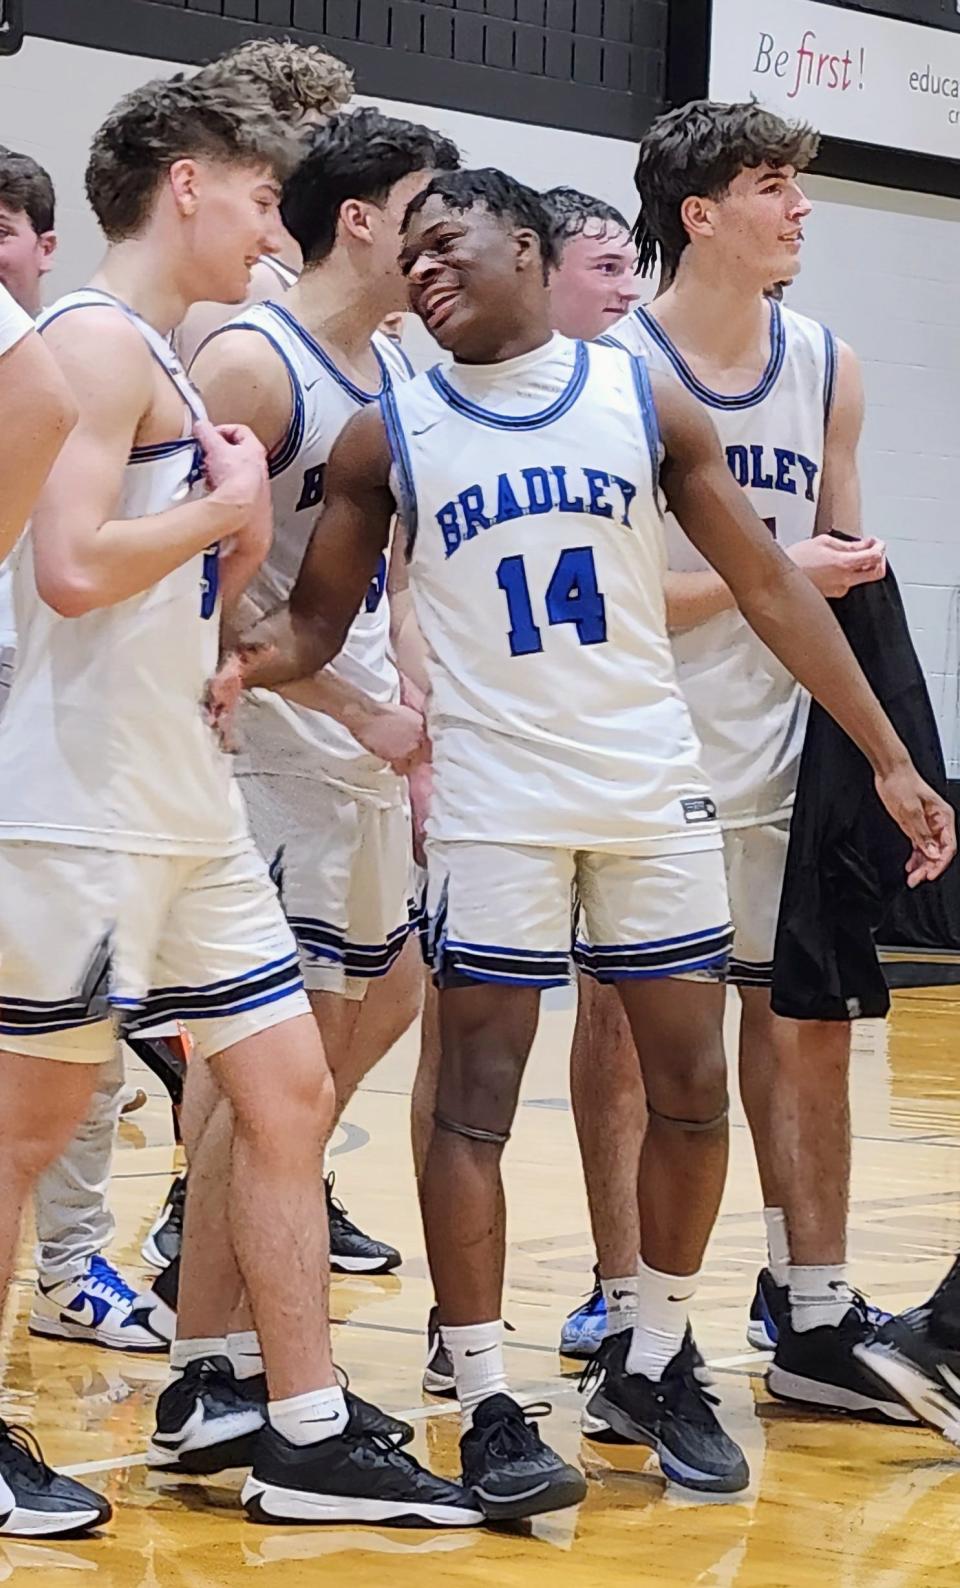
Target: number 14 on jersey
(572, 596)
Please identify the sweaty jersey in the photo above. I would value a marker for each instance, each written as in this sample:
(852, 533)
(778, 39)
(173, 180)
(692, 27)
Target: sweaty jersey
(103, 742)
(529, 493)
(749, 712)
(278, 735)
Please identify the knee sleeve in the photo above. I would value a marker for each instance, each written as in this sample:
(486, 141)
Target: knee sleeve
(692, 1125)
(472, 1132)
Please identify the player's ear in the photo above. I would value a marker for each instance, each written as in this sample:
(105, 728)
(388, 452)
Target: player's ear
(183, 177)
(528, 249)
(697, 215)
(354, 217)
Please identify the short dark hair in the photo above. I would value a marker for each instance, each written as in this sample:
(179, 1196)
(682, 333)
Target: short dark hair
(165, 121)
(293, 78)
(26, 188)
(503, 196)
(698, 150)
(359, 154)
(571, 212)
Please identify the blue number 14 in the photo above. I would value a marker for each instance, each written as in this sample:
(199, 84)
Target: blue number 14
(572, 597)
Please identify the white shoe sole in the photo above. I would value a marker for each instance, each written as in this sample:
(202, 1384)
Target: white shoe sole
(921, 1394)
(362, 1265)
(85, 1334)
(21, 1522)
(438, 1383)
(152, 1255)
(758, 1337)
(267, 1502)
(832, 1397)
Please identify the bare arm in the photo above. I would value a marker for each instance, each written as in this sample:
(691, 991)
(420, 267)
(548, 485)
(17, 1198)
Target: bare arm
(407, 641)
(791, 617)
(833, 566)
(86, 558)
(37, 413)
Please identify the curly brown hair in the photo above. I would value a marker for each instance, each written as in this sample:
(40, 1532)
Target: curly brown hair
(697, 151)
(165, 121)
(294, 78)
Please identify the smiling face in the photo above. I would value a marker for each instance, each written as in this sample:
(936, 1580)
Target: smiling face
(755, 229)
(595, 283)
(233, 215)
(473, 277)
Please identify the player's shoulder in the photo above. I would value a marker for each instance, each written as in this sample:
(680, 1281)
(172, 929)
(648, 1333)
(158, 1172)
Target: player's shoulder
(88, 334)
(253, 337)
(393, 356)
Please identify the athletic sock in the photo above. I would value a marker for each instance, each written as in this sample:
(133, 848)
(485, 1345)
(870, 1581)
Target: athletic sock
(662, 1311)
(309, 1418)
(183, 1352)
(778, 1245)
(477, 1353)
(246, 1358)
(620, 1296)
(819, 1297)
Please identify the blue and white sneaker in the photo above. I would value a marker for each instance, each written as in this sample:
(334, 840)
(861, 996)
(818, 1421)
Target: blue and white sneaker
(584, 1329)
(99, 1308)
(771, 1306)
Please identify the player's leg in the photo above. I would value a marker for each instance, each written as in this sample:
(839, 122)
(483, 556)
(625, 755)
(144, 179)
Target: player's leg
(438, 1375)
(322, 1455)
(499, 927)
(609, 1109)
(79, 1294)
(645, 922)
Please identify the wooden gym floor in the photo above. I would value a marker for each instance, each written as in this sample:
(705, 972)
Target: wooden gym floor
(833, 1503)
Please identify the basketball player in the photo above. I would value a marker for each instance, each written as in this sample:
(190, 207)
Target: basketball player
(123, 888)
(303, 85)
(323, 784)
(594, 282)
(543, 621)
(721, 199)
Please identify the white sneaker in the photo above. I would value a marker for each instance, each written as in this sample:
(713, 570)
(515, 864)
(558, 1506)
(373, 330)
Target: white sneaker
(99, 1307)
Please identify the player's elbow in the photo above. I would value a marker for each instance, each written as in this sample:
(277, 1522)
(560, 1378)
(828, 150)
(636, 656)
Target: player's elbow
(69, 592)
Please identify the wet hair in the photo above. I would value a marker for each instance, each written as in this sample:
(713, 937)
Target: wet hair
(572, 211)
(26, 188)
(293, 78)
(358, 154)
(501, 195)
(697, 151)
(162, 122)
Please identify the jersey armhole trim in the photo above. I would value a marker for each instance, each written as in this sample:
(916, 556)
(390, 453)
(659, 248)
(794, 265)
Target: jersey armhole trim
(829, 375)
(403, 468)
(651, 424)
(287, 449)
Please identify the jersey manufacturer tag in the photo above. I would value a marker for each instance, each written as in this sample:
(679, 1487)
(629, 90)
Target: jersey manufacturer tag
(700, 810)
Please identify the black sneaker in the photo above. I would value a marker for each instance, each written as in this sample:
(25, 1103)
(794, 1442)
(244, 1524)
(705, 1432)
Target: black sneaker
(155, 1309)
(944, 1308)
(35, 1501)
(509, 1469)
(355, 1477)
(207, 1421)
(769, 1307)
(907, 1357)
(369, 1418)
(351, 1251)
(162, 1244)
(674, 1416)
(438, 1376)
(819, 1368)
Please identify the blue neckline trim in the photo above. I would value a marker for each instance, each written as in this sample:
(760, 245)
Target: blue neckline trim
(323, 357)
(483, 416)
(713, 399)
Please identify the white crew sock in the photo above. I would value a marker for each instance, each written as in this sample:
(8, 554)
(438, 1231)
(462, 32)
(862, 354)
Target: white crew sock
(246, 1358)
(477, 1353)
(307, 1419)
(778, 1245)
(819, 1297)
(620, 1296)
(183, 1352)
(662, 1311)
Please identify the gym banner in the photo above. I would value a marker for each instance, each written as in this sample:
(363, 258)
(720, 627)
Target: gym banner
(866, 78)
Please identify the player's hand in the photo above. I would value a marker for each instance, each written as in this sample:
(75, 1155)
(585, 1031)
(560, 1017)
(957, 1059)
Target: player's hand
(420, 784)
(396, 734)
(836, 566)
(221, 698)
(235, 464)
(927, 820)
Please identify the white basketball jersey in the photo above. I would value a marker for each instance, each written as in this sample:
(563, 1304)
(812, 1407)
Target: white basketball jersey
(529, 493)
(103, 742)
(278, 735)
(749, 712)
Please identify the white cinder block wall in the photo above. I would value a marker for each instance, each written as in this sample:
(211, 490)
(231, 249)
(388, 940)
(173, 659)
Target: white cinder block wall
(881, 268)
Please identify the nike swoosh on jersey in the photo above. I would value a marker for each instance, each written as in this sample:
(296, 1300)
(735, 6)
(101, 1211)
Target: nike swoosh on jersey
(426, 428)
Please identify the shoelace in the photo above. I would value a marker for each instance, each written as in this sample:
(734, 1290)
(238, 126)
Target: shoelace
(103, 1280)
(516, 1435)
(384, 1446)
(334, 1205)
(28, 1457)
(691, 1372)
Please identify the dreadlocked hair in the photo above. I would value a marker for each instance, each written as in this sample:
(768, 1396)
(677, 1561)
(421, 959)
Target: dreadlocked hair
(697, 151)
